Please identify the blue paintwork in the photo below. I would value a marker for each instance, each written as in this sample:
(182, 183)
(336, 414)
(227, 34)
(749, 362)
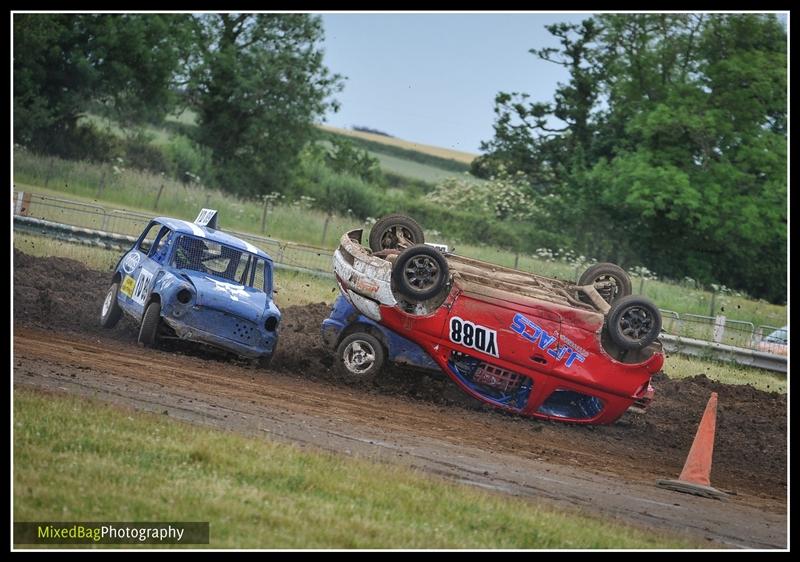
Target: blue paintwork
(399, 349)
(220, 312)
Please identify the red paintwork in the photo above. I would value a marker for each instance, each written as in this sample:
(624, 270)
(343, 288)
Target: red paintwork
(617, 384)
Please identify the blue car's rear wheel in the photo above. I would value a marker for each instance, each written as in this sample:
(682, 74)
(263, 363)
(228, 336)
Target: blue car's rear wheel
(359, 356)
(111, 311)
(148, 331)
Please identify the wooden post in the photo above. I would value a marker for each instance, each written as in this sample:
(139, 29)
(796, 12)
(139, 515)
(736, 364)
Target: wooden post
(49, 171)
(641, 286)
(713, 299)
(719, 328)
(158, 197)
(102, 183)
(516, 260)
(325, 228)
(264, 216)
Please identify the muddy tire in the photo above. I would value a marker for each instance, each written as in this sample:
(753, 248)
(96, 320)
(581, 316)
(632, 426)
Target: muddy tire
(617, 282)
(634, 322)
(395, 232)
(359, 357)
(148, 331)
(111, 311)
(420, 273)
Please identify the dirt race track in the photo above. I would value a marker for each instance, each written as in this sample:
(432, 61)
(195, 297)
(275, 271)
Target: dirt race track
(416, 419)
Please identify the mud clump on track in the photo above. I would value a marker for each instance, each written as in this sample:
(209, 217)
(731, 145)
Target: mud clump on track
(750, 449)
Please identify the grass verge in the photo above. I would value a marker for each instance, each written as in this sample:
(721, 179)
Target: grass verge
(81, 460)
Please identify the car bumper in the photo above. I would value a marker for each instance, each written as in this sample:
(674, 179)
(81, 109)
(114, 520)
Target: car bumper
(364, 279)
(186, 331)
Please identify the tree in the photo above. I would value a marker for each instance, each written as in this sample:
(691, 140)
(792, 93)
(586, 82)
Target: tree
(258, 84)
(666, 148)
(64, 63)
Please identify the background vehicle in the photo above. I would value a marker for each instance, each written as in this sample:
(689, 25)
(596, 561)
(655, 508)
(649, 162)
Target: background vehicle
(537, 346)
(777, 342)
(191, 281)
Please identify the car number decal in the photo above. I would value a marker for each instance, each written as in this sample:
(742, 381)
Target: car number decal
(127, 286)
(464, 332)
(142, 284)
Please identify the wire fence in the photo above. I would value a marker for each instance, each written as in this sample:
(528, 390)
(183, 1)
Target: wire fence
(130, 223)
(719, 329)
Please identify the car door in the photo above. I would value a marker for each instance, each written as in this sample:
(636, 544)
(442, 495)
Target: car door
(140, 266)
(521, 333)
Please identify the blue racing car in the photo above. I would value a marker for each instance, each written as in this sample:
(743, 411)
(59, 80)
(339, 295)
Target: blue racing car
(190, 281)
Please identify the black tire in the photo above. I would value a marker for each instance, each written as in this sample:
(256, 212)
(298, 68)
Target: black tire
(111, 311)
(605, 272)
(633, 322)
(420, 273)
(148, 331)
(359, 356)
(386, 233)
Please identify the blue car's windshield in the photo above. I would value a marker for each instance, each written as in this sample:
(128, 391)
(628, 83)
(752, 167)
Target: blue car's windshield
(237, 266)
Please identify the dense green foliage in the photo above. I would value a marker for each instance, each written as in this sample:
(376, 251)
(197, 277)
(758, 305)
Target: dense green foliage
(258, 89)
(667, 147)
(256, 83)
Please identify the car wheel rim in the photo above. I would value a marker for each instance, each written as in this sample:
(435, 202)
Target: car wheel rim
(421, 272)
(396, 237)
(359, 357)
(609, 287)
(107, 302)
(636, 323)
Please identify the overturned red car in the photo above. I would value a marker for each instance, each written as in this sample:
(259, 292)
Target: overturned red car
(576, 352)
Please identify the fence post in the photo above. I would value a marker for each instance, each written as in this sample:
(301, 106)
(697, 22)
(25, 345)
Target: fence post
(102, 184)
(158, 197)
(516, 260)
(264, 215)
(325, 228)
(641, 286)
(719, 328)
(49, 170)
(713, 299)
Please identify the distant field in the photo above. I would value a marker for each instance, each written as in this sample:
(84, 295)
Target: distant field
(416, 170)
(459, 156)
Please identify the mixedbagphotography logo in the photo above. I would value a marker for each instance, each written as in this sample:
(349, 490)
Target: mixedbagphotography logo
(110, 532)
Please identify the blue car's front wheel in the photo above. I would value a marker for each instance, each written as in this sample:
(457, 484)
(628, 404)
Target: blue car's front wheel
(111, 311)
(148, 331)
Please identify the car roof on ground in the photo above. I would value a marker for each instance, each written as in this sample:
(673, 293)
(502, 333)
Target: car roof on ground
(186, 227)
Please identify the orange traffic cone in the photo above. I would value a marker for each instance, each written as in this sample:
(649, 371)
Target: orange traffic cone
(695, 477)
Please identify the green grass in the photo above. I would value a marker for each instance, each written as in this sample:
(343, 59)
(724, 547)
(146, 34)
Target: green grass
(79, 460)
(138, 191)
(681, 367)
